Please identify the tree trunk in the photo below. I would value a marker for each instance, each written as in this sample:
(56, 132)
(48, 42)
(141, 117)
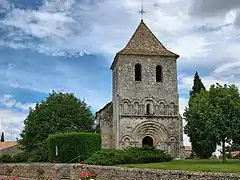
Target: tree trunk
(223, 152)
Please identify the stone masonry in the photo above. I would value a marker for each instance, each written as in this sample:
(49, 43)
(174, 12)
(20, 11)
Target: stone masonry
(144, 111)
(73, 171)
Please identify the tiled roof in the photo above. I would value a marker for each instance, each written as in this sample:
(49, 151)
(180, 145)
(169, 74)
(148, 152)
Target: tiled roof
(188, 148)
(144, 42)
(7, 144)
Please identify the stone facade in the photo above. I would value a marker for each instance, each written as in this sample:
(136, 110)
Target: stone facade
(73, 171)
(144, 111)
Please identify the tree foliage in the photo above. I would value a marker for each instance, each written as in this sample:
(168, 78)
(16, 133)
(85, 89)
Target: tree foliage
(197, 85)
(214, 116)
(59, 113)
(2, 137)
(199, 126)
(226, 100)
(203, 142)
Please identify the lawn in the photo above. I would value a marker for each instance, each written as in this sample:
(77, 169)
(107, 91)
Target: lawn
(212, 165)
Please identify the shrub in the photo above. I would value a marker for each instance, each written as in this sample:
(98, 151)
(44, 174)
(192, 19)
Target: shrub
(71, 145)
(133, 155)
(6, 158)
(20, 157)
(40, 154)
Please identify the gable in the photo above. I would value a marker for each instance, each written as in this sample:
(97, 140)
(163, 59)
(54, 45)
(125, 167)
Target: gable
(144, 42)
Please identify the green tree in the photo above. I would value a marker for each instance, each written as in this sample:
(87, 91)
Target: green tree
(214, 116)
(201, 138)
(2, 137)
(59, 113)
(199, 127)
(226, 119)
(197, 87)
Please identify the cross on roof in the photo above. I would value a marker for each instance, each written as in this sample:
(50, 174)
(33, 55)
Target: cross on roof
(142, 10)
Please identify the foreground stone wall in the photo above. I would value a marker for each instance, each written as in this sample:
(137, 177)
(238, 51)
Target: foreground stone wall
(72, 172)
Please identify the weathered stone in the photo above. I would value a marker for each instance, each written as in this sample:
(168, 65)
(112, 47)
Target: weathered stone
(145, 109)
(56, 171)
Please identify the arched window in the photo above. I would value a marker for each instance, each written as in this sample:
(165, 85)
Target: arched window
(159, 74)
(138, 72)
(148, 109)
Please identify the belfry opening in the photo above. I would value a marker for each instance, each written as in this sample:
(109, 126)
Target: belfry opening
(147, 141)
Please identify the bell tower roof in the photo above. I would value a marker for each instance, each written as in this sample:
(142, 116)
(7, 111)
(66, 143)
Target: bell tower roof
(144, 42)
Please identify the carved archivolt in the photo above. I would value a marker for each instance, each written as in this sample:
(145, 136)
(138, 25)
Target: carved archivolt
(126, 141)
(150, 128)
(173, 148)
(148, 107)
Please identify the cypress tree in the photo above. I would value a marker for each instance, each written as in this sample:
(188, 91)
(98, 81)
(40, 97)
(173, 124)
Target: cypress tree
(196, 89)
(197, 85)
(2, 137)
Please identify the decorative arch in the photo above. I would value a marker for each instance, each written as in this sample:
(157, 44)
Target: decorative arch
(149, 104)
(125, 106)
(126, 141)
(173, 146)
(172, 139)
(149, 99)
(149, 109)
(126, 100)
(150, 128)
(162, 101)
(172, 108)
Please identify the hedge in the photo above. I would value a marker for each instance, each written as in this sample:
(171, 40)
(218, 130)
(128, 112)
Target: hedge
(5, 158)
(15, 158)
(20, 157)
(133, 155)
(71, 145)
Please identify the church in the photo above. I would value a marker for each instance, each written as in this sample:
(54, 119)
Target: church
(145, 101)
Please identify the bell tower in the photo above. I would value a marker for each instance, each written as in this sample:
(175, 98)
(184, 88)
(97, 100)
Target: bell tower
(145, 95)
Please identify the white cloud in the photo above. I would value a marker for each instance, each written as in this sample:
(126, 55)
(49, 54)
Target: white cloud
(183, 102)
(11, 123)
(8, 101)
(72, 27)
(190, 47)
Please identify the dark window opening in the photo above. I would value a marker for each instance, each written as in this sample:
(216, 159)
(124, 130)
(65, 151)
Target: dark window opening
(159, 74)
(138, 70)
(148, 109)
(147, 141)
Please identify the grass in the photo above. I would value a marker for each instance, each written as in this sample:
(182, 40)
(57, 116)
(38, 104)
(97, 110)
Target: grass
(211, 165)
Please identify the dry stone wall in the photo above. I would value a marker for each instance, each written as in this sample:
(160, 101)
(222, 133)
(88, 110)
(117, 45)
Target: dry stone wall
(73, 171)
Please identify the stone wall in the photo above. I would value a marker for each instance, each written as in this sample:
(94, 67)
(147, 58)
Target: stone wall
(147, 108)
(72, 172)
(104, 119)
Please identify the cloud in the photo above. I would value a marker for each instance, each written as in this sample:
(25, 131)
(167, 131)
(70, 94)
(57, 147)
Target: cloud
(183, 102)
(191, 47)
(70, 28)
(9, 102)
(215, 9)
(11, 123)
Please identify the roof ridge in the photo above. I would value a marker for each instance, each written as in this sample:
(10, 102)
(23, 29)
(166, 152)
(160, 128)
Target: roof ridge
(145, 42)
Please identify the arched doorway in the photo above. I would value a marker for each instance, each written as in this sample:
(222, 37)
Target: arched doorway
(147, 141)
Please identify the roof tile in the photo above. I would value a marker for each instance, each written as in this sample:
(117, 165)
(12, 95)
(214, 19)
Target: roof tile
(7, 144)
(144, 42)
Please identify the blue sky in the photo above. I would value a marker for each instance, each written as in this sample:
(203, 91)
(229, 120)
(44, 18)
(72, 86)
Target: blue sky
(68, 45)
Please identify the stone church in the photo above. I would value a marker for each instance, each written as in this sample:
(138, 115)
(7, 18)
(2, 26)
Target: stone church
(144, 108)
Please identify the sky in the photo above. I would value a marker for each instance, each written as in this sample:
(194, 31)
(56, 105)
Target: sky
(69, 45)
